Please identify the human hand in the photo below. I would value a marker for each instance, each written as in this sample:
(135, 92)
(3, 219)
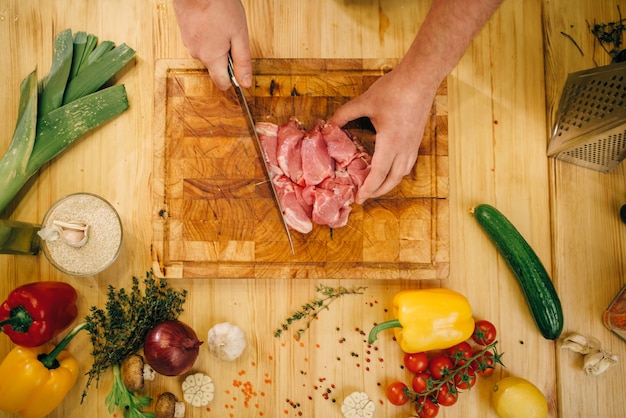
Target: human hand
(398, 109)
(212, 28)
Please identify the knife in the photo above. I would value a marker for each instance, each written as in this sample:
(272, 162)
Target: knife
(259, 148)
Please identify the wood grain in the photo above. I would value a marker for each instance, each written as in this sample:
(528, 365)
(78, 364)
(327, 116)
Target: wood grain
(214, 212)
(499, 98)
(585, 213)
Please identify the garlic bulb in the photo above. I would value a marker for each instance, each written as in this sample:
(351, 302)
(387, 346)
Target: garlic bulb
(198, 389)
(357, 405)
(226, 341)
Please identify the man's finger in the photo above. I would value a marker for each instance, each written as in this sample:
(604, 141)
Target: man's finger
(240, 52)
(376, 177)
(218, 70)
(347, 112)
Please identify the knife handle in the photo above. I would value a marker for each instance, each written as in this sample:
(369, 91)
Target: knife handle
(231, 71)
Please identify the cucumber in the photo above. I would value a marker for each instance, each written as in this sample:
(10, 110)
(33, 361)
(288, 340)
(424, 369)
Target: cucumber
(543, 301)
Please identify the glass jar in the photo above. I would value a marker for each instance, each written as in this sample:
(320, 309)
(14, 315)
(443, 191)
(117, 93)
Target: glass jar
(82, 234)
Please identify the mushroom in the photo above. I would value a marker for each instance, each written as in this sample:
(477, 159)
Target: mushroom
(168, 407)
(226, 341)
(135, 372)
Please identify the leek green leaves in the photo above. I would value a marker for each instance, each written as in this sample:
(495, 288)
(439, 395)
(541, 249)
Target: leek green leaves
(66, 104)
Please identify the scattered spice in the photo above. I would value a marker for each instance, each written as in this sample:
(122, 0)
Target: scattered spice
(311, 310)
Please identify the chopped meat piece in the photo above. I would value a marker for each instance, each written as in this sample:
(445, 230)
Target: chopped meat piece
(359, 168)
(340, 146)
(297, 217)
(268, 136)
(316, 162)
(316, 173)
(330, 208)
(289, 148)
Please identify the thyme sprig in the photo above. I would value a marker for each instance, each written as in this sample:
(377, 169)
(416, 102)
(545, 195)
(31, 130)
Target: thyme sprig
(310, 311)
(119, 330)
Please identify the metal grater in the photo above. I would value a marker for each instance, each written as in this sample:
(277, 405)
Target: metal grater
(590, 129)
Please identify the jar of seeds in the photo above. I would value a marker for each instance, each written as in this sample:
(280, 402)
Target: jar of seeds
(82, 234)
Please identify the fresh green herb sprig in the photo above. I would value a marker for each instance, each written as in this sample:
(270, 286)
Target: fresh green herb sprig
(311, 310)
(125, 399)
(119, 330)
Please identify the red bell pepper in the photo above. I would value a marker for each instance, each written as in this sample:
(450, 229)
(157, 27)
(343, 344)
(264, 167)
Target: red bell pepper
(35, 313)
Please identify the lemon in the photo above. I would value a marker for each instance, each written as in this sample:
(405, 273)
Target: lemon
(514, 397)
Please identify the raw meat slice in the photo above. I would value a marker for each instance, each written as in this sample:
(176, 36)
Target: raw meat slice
(330, 209)
(288, 153)
(316, 162)
(359, 168)
(316, 173)
(296, 216)
(340, 145)
(268, 136)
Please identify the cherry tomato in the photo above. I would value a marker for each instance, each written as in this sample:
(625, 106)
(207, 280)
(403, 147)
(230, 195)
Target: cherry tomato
(463, 382)
(484, 365)
(460, 353)
(484, 332)
(426, 408)
(416, 362)
(440, 366)
(420, 382)
(446, 396)
(396, 393)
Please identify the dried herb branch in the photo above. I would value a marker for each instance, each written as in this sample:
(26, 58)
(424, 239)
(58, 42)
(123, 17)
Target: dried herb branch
(311, 310)
(574, 42)
(610, 36)
(119, 330)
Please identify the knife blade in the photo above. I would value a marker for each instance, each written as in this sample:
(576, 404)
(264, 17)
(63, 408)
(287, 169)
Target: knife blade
(257, 142)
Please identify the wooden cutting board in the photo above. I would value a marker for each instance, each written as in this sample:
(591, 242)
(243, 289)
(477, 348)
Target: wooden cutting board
(214, 215)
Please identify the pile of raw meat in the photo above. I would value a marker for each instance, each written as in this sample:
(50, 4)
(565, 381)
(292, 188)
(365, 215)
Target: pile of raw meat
(316, 172)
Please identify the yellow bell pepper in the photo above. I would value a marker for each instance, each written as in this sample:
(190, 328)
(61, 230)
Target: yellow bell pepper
(428, 319)
(34, 380)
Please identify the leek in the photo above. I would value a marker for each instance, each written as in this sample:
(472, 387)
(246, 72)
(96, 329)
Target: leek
(53, 85)
(63, 106)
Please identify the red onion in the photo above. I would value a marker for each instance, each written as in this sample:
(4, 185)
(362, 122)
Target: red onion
(171, 348)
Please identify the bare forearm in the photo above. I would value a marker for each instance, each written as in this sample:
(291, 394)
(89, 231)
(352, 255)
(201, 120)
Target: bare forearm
(447, 31)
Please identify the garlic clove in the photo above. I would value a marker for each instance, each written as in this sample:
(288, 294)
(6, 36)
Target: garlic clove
(575, 342)
(74, 233)
(597, 362)
(49, 233)
(580, 344)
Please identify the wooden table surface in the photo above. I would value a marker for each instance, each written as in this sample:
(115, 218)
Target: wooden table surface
(502, 99)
